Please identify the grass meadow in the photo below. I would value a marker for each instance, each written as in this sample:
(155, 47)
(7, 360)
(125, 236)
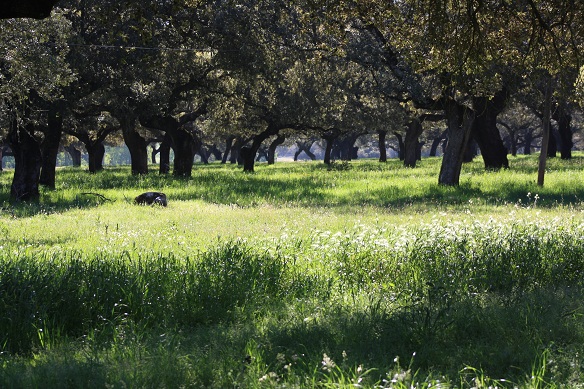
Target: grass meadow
(299, 275)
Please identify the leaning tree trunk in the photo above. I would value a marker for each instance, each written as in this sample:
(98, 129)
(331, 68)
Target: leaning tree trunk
(228, 144)
(272, 148)
(50, 149)
(381, 145)
(486, 133)
(436, 143)
(248, 154)
(459, 121)
(95, 154)
(411, 143)
(28, 160)
(74, 154)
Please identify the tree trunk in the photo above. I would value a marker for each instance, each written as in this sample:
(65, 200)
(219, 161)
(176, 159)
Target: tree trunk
(165, 146)
(137, 145)
(248, 154)
(50, 149)
(436, 143)
(216, 153)
(95, 154)
(471, 151)
(459, 121)
(401, 146)
(564, 119)
(28, 160)
(486, 133)
(381, 144)
(184, 147)
(234, 154)
(330, 138)
(546, 132)
(228, 145)
(411, 143)
(272, 148)
(74, 154)
(552, 144)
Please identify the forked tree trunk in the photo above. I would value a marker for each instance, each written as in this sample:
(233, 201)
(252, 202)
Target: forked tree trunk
(459, 121)
(28, 160)
(50, 149)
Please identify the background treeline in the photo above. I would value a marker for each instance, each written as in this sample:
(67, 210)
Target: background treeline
(232, 81)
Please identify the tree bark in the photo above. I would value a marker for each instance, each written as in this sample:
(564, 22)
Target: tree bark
(546, 132)
(413, 132)
(74, 154)
(485, 131)
(329, 137)
(459, 121)
(401, 146)
(28, 160)
(165, 146)
(436, 143)
(381, 144)
(137, 145)
(562, 116)
(50, 149)
(95, 154)
(272, 148)
(228, 145)
(184, 147)
(248, 153)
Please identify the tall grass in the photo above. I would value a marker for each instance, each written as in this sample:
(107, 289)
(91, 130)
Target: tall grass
(343, 292)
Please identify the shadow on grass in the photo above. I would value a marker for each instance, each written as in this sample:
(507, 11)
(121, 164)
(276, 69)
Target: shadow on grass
(358, 184)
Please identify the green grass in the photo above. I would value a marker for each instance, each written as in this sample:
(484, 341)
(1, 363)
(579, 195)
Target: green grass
(297, 275)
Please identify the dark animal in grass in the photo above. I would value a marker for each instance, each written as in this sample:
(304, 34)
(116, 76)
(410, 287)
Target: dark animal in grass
(151, 198)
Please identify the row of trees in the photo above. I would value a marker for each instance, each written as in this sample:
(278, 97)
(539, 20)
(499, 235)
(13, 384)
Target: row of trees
(188, 73)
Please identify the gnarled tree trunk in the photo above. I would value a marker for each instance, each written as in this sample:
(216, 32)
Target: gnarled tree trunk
(564, 119)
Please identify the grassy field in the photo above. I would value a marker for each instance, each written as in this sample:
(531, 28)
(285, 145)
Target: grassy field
(298, 275)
